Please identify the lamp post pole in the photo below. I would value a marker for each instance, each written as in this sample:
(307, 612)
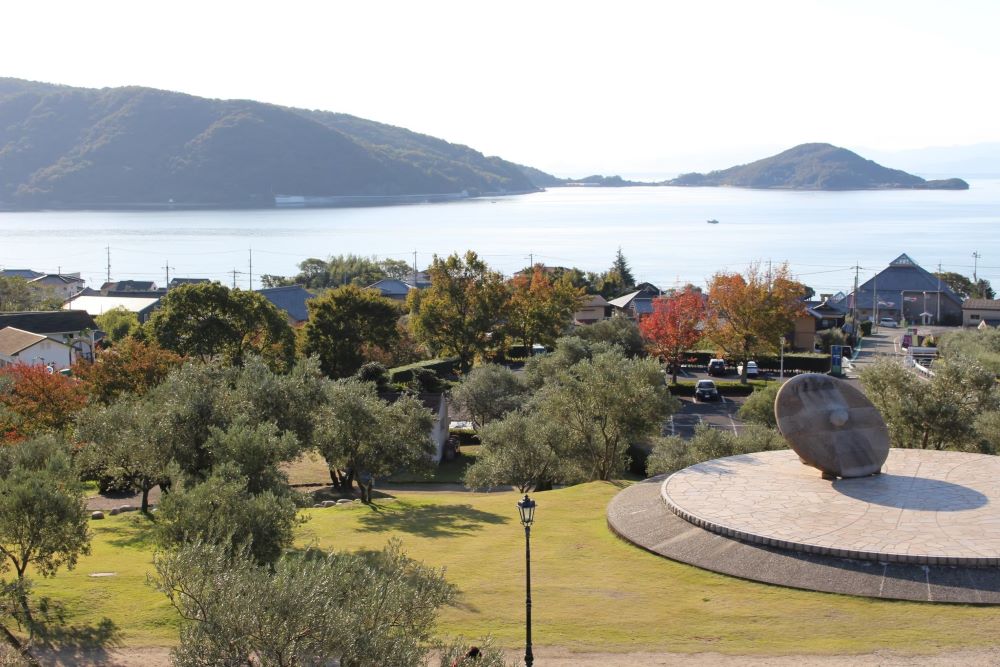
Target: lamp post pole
(781, 370)
(526, 507)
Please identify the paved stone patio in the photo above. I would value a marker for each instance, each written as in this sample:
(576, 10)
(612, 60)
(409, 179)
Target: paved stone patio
(639, 515)
(927, 507)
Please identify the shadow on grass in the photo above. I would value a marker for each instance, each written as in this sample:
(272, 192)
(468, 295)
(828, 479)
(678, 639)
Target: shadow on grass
(428, 520)
(134, 531)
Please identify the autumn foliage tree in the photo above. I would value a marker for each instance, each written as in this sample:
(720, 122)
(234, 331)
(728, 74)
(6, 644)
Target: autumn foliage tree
(673, 326)
(749, 312)
(34, 401)
(541, 309)
(130, 367)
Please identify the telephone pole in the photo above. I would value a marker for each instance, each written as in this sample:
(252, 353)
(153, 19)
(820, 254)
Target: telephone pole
(975, 266)
(167, 268)
(235, 273)
(251, 269)
(854, 301)
(414, 268)
(108, 248)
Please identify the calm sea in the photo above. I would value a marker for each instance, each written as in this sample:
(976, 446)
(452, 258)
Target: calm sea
(662, 232)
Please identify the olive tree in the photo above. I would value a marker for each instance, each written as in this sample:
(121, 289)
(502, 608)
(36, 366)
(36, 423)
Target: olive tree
(43, 521)
(363, 609)
(939, 413)
(364, 437)
(489, 392)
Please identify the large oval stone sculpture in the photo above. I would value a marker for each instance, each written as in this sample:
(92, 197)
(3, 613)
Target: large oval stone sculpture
(832, 426)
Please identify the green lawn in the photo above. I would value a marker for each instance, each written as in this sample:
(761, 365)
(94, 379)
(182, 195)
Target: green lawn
(591, 591)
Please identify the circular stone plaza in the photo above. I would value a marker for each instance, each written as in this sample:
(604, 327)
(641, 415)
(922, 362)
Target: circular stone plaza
(927, 528)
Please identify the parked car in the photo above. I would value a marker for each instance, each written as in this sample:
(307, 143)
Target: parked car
(887, 322)
(706, 390)
(716, 366)
(752, 370)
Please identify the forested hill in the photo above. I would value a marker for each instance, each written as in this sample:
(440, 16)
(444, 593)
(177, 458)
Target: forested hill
(816, 167)
(63, 147)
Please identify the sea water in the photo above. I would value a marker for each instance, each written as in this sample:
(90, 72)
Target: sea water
(662, 231)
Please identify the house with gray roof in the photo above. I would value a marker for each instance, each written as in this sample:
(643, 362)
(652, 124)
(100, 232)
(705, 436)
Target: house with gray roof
(24, 274)
(905, 290)
(636, 305)
(290, 299)
(63, 285)
(390, 288)
(981, 312)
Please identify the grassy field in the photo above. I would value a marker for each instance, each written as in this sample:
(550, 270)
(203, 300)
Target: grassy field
(591, 591)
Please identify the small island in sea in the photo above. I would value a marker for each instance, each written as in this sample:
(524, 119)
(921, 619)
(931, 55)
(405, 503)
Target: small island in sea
(816, 167)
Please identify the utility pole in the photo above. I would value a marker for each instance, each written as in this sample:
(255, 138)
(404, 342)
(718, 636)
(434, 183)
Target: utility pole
(167, 268)
(938, 320)
(854, 301)
(235, 273)
(251, 269)
(975, 266)
(414, 268)
(108, 248)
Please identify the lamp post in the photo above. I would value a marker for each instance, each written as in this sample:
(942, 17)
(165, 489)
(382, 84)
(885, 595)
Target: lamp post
(781, 370)
(526, 507)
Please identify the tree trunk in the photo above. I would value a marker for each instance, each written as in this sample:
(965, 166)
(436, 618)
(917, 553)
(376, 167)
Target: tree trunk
(144, 508)
(676, 367)
(366, 491)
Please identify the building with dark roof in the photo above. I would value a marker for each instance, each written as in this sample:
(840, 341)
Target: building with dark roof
(75, 328)
(906, 291)
(63, 285)
(390, 288)
(25, 274)
(636, 305)
(128, 286)
(291, 299)
(177, 282)
(24, 347)
(976, 312)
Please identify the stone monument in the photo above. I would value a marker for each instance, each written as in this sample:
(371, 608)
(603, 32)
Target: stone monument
(832, 426)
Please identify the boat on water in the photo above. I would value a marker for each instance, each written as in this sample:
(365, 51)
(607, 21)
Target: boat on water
(713, 222)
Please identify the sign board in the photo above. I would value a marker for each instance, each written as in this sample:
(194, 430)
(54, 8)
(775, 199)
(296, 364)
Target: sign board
(907, 341)
(836, 359)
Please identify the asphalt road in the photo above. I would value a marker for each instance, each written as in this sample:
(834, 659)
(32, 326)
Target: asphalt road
(719, 414)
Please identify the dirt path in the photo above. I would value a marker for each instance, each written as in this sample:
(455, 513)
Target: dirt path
(558, 657)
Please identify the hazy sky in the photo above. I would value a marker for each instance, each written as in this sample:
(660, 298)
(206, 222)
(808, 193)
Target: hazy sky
(569, 87)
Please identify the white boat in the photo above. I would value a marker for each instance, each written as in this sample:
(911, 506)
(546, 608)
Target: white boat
(713, 222)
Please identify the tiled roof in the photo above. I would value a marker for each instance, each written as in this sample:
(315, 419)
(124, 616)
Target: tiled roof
(291, 299)
(392, 286)
(49, 321)
(98, 305)
(903, 275)
(14, 340)
(981, 304)
(27, 274)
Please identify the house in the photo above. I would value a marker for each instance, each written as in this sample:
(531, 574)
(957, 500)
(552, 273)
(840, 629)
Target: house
(178, 282)
(72, 327)
(978, 312)
(24, 274)
(397, 290)
(907, 291)
(595, 309)
(25, 347)
(291, 299)
(63, 285)
(828, 314)
(96, 305)
(637, 304)
(128, 286)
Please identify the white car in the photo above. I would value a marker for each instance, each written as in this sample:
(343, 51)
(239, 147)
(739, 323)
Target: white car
(887, 322)
(752, 370)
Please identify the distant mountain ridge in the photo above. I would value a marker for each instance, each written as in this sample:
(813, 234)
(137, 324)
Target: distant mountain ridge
(816, 167)
(65, 147)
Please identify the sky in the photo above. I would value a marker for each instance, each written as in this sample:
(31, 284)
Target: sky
(572, 88)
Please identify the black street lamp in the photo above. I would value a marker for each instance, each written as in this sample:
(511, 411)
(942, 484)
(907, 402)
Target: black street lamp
(526, 506)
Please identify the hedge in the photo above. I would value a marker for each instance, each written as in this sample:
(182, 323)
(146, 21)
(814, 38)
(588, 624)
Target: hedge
(795, 362)
(443, 367)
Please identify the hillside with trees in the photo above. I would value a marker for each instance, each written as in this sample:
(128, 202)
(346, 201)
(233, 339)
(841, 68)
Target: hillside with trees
(134, 147)
(816, 167)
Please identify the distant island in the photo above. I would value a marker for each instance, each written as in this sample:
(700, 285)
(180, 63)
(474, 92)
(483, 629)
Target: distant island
(136, 148)
(816, 167)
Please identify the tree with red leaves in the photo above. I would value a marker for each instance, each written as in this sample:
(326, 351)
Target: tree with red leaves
(34, 401)
(130, 367)
(673, 326)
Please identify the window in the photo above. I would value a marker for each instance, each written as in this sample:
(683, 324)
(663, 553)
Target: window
(974, 316)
